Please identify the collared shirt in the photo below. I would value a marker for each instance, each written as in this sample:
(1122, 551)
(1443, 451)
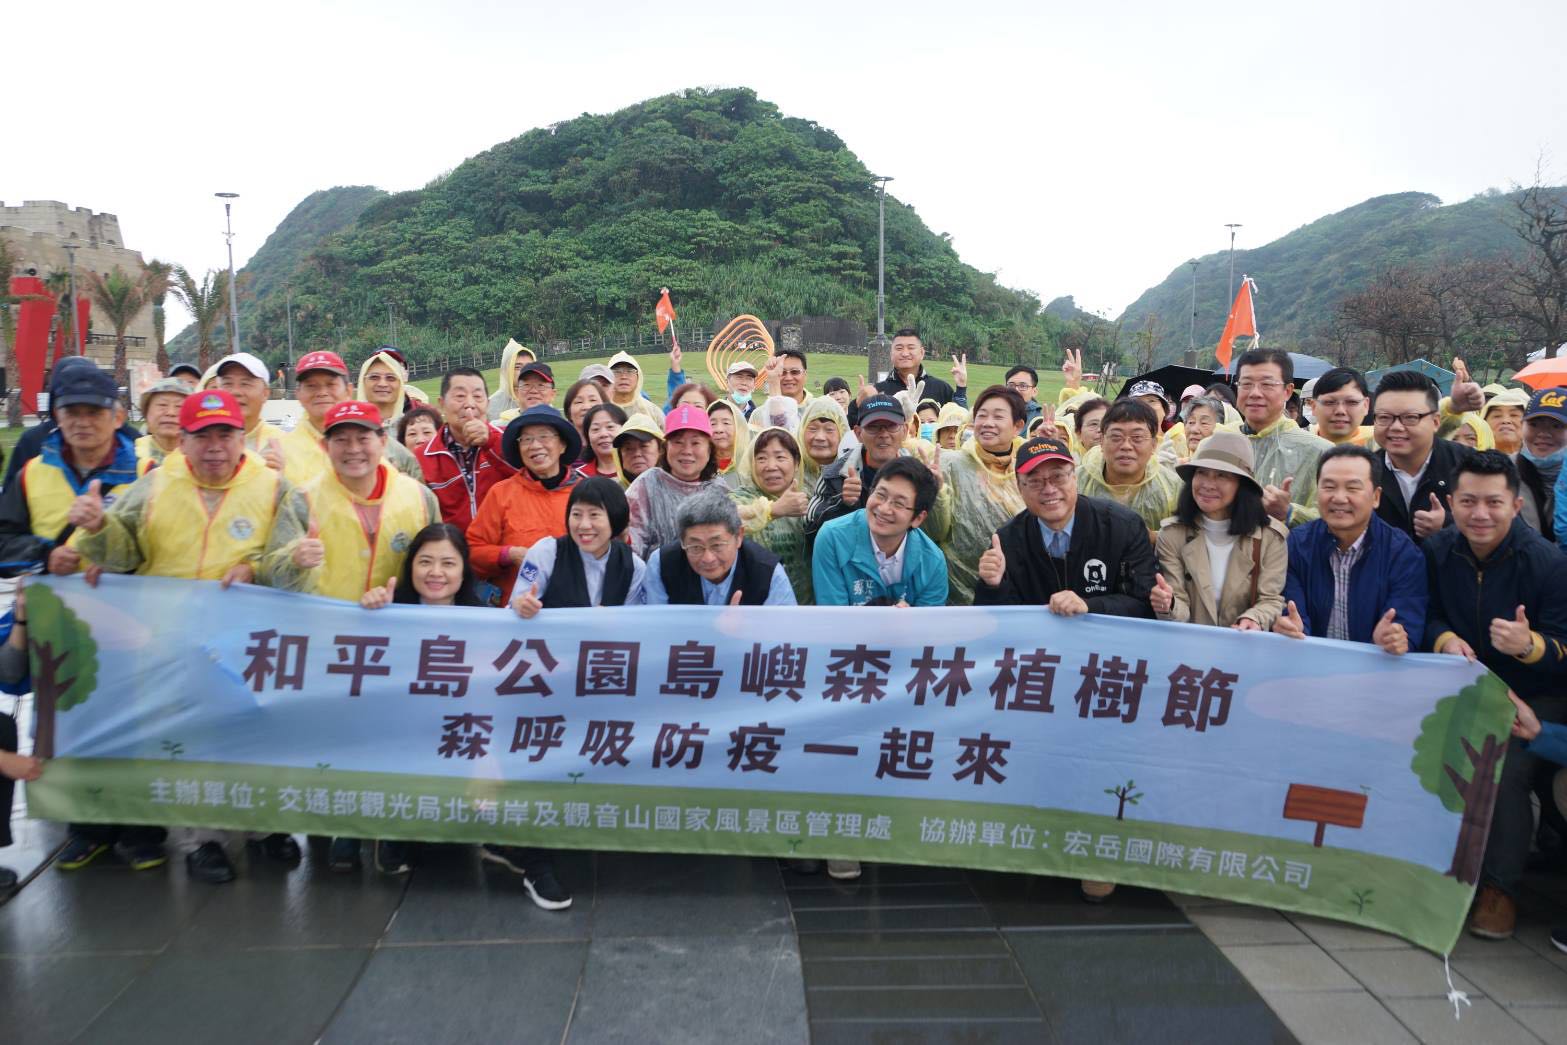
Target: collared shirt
(779, 591)
(890, 566)
(1057, 542)
(1407, 483)
(1343, 563)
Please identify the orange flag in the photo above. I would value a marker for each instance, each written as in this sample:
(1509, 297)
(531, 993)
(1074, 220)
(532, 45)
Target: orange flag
(1242, 322)
(664, 311)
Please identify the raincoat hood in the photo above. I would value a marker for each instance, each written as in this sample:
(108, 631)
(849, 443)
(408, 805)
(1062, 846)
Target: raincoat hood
(822, 406)
(952, 416)
(747, 466)
(1153, 497)
(614, 361)
(742, 445)
(637, 423)
(398, 371)
(1484, 440)
(505, 397)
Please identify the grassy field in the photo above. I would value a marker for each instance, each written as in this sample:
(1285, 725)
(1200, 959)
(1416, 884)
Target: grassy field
(655, 369)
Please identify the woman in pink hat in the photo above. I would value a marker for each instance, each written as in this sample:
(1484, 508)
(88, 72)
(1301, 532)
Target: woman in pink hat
(689, 465)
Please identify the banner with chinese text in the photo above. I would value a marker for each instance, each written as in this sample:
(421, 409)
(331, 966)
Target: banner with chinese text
(1314, 776)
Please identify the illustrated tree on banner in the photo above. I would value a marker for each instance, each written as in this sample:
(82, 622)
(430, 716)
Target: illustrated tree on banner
(1242, 323)
(64, 660)
(1462, 776)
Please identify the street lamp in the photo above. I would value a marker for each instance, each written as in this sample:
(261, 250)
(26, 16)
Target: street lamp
(71, 247)
(228, 235)
(1191, 351)
(288, 311)
(881, 269)
(1232, 227)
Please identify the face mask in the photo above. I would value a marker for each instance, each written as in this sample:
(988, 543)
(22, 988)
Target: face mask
(928, 431)
(1545, 464)
(740, 397)
(1311, 415)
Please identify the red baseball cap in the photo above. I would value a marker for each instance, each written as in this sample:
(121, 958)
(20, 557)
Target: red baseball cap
(328, 361)
(205, 409)
(351, 412)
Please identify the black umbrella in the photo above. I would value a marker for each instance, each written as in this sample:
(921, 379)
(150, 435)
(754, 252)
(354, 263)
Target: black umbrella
(1305, 367)
(1173, 379)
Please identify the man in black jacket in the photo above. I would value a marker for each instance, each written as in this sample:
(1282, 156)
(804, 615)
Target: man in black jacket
(1417, 467)
(1074, 554)
(1499, 595)
(847, 481)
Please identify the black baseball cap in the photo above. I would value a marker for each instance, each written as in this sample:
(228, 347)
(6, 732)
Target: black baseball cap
(1039, 449)
(539, 369)
(881, 405)
(190, 368)
(83, 385)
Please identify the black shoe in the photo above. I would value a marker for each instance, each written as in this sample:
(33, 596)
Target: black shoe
(512, 857)
(392, 857)
(804, 866)
(343, 857)
(209, 863)
(8, 879)
(281, 848)
(1559, 939)
(544, 889)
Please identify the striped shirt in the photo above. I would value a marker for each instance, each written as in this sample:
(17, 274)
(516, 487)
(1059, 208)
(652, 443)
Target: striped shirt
(1343, 563)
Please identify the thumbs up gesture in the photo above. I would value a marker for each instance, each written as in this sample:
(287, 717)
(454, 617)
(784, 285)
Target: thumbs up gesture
(1466, 393)
(310, 552)
(866, 391)
(272, 453)
(1290, 625)
(734, 600)
(1276, 499)
(527, 605)
(379, 596)
(87, 510)
(851, 484)
(1513, 637)
(993, 563)
(1431, 520)
(1161, 596)
(1390, 635)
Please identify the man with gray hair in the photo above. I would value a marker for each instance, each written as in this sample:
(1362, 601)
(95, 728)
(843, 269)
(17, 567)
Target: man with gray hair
(712, 564)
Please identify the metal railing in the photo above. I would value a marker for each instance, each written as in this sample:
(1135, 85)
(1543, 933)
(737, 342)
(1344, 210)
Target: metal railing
(131, 341)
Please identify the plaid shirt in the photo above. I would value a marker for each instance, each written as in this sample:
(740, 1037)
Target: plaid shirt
(1343, 563)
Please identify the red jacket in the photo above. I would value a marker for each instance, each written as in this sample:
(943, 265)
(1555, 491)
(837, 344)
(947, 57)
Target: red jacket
(460, 503)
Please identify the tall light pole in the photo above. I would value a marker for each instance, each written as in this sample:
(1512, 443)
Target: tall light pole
(228, 234)
(1191, 350)
(1232, 227)
(881, 261)
(71, 247)
(288, 312)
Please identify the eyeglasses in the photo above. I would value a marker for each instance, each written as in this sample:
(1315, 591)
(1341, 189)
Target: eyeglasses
(892, 502)
(538, 439)
(699, 551)
(1115, 439)
(1407, 420)
(1020, 386)
(1036, 483)
(1258, 386)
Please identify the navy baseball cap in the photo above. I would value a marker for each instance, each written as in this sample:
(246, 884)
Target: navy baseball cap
(881, 406)
(83, 385)
(1548, 402)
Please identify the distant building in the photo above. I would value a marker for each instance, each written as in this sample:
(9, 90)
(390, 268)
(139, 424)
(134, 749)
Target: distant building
(37, 232)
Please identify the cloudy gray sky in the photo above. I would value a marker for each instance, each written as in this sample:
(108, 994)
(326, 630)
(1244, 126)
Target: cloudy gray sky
(1073, 148)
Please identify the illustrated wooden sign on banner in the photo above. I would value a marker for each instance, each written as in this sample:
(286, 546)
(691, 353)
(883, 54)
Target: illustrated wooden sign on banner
(744, 337)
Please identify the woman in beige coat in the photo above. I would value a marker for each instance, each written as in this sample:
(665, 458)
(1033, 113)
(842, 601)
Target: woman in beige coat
(1222, 559)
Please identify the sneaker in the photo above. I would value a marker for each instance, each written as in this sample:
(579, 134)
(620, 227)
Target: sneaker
(79, 852)
(343, 857)
(843, 870)
(1096, 892)
(1559, 939)
(512, 857)
(281, 848)
(209, 863)
(544, 889)
(392, 857)
(8, 879)
(144, 856)
(1495, 915)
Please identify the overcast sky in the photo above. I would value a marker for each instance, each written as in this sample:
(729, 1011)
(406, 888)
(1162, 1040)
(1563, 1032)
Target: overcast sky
(1083, 149)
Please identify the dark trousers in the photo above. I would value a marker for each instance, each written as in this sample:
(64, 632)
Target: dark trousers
(1512, 823)
(8, 740)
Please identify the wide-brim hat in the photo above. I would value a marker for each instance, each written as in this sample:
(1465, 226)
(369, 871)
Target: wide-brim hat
(1223, 451)
(540, 415)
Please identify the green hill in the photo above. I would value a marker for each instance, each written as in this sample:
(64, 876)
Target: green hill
(1302, 276)
(569, 231)
(316, 217)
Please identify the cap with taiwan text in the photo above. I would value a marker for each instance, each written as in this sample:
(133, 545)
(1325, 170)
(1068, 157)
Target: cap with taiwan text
(881, 407)
(331, 362)
(352, 412)
(1040, 449)
(213, 407)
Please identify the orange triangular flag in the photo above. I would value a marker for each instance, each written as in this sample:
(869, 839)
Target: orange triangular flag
(1242, 323)
(664, 311)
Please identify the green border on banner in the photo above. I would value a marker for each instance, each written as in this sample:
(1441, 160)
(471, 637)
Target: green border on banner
(1378, 892)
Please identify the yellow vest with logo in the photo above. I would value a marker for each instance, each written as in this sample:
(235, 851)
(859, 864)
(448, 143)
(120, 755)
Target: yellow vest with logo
(354, 564)
(304, 459)
(181, 537)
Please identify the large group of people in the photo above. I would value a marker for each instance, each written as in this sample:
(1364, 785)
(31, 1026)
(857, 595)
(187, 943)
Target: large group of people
(1394, 516)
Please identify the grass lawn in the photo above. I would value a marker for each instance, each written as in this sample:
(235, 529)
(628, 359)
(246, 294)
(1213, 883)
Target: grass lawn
(655, 369)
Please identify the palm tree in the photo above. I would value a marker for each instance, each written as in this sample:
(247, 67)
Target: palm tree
(121, 299)
(155, 285)
(205, 301)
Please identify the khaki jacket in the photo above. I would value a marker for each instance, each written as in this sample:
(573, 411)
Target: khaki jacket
(1183, 559)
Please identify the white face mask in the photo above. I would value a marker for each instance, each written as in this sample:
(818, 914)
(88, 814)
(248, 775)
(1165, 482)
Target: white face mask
(1308, 413)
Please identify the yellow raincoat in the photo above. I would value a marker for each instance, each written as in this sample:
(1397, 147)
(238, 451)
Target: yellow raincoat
(304, 458)
(637, 423)
(822, 406)
(952, 416)
(1285, 449)
(398, 371)
(785, 536)
(637, 403)
(1153, 497)
(978, 495)
(505, 397)
(731, 474)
